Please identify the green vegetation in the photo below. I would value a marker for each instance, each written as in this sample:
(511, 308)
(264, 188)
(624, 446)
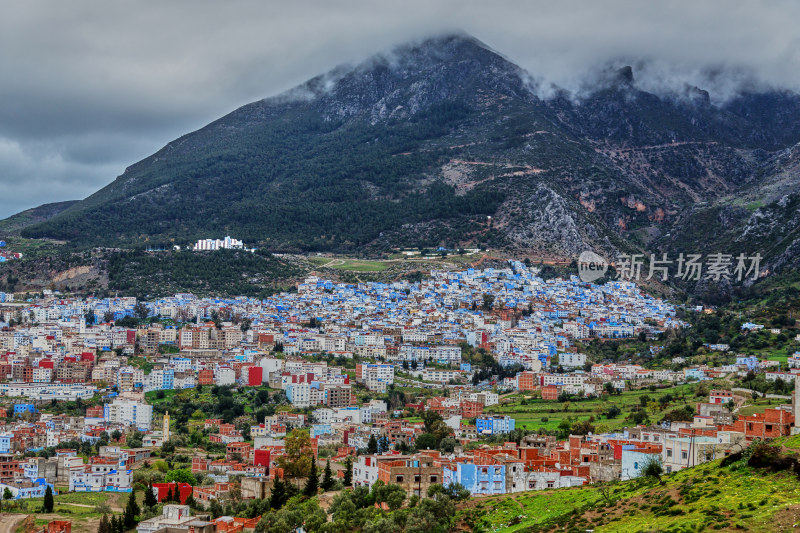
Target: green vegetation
(144, 274)
(751, 492)
(188, 408)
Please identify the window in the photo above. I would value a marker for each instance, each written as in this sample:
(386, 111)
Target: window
(399, 479)
(434, 479)
(636, 466)
(669, 453)
(769, 427)
(684, 455)
(416, 479)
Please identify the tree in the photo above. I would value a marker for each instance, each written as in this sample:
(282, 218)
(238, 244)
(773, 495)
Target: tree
(426, 441)
(392, 495)
(305, 516)
(296, 461)
(653, 468)
(131, 511)
(150, 499)
(190, 501)
(348, 472)
(277, 496)
(7, 494)
(170, 496)
(181, 475)
(48, 504)
(312, 485)
(447, 445)
(140, 310)
(454, 491)
(372, 444)
(135, 440)
(105, 525)
(114, 525)
(116, 434)
(327, 477)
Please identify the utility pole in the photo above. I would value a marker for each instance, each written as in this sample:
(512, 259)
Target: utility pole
(419, 478)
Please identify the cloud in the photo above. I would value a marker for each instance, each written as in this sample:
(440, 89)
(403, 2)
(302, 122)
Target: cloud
(88, 88)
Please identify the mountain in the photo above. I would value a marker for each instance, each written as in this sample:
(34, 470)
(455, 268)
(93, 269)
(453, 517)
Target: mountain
(420, 146)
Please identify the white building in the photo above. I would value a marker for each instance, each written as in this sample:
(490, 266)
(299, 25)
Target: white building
(129, 413)
(572, 360)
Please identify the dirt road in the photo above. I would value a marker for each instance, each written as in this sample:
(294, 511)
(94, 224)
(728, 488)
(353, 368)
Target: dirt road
(10, 521)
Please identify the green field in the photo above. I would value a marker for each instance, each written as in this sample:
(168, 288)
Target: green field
(361, 266)
(759, 405)
(352, 265)
(83, 509)
(538, 413)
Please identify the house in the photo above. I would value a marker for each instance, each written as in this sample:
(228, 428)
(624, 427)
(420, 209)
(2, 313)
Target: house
(176, 518)
(478, 479)
(414, 474)
(492, 425)
(551, 392)
(720, 396)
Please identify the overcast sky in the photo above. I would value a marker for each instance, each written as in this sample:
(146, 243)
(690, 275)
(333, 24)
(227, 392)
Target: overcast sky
(88, 87)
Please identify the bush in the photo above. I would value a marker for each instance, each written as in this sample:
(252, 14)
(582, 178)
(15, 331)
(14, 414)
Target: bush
(653, 468)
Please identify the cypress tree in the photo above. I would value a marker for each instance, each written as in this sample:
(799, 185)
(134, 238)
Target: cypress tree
(327, 477)
(150, 499)
(114, 525)
(312, 485)
(277, 496)
(372, 445)
(104, 526)
(49, 503)
(348, 472)
(131, 511)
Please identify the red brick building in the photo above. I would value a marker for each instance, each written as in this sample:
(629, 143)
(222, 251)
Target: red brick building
(550, 392)
(526, 381)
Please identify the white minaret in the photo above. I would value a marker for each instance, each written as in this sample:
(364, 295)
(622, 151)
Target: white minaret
(165, 427)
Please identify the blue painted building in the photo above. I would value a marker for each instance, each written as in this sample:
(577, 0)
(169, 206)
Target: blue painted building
(477, 479)
(493, 425)
(22, 408)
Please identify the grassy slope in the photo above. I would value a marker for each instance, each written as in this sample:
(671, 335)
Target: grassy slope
(703, 498)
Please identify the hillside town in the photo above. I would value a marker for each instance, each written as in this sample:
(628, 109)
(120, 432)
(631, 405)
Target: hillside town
(400, 383)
